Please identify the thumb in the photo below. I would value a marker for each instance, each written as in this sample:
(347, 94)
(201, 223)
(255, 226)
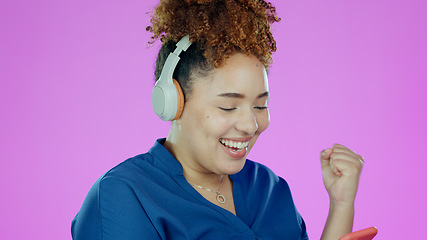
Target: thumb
(325, 159)
(327, 163)
(325, 155)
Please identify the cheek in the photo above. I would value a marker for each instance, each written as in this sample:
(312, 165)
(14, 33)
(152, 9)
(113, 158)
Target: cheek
(210, 124)
(263, 121)
(220, 123)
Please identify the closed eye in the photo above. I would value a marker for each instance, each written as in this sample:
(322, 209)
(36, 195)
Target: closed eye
(261, 108)
(227, 109)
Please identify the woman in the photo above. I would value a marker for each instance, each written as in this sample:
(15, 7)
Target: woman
(197, 183)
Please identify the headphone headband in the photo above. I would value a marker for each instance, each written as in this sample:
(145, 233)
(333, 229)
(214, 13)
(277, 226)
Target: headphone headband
(167, 99)
(173, 59)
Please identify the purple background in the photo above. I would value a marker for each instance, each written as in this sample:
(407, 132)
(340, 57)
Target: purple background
(76, 80)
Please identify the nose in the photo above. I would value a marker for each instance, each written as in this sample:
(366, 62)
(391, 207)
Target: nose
(247, 122)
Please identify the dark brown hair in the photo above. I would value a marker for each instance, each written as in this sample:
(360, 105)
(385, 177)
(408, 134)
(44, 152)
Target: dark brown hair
(217, 29)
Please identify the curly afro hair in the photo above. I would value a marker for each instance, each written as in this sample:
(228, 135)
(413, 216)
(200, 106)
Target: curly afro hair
(220, 27)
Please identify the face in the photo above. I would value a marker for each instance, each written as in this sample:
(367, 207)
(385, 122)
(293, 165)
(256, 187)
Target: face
(223, 117)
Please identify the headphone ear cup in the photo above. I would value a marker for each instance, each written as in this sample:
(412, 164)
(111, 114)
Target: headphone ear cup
(180, 95)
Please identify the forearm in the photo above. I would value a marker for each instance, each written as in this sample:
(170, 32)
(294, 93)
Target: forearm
(339, 222)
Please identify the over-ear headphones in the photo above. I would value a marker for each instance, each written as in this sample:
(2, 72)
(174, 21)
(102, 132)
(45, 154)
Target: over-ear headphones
(167, 98)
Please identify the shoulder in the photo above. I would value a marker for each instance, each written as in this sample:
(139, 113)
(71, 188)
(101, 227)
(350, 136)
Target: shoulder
(136, 177)
(130, 167)
(113, 203)
(117, 180)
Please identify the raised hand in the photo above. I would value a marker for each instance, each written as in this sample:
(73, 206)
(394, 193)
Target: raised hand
(341, 171)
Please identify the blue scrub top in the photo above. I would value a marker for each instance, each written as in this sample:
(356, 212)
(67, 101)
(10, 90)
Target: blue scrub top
(148, 197)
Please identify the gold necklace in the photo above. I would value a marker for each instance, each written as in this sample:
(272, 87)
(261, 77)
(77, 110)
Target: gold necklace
(219, 197)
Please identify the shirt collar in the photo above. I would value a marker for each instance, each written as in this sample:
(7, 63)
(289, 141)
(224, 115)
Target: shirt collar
(167, 160)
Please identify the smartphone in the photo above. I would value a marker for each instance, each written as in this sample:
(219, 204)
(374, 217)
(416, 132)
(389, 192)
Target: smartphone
(365, 234)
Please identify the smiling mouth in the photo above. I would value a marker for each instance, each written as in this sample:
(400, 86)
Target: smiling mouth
(234, 145)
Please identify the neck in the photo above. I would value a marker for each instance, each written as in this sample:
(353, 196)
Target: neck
(214, 181)
(191, 171)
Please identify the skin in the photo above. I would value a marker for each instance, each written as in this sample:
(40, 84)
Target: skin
(341, 169)
(231, 103)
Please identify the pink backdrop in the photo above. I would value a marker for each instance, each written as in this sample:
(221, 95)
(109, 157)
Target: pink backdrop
(75, 92)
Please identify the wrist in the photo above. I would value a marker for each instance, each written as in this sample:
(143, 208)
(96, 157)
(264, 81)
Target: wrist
(340, 220)
(341, 206)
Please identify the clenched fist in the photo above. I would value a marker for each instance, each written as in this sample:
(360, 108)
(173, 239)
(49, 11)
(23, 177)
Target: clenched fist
(341, 169)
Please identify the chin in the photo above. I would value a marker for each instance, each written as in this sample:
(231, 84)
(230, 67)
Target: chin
(234, 167)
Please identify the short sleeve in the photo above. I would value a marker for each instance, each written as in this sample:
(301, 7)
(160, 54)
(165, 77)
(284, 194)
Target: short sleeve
(112, 211)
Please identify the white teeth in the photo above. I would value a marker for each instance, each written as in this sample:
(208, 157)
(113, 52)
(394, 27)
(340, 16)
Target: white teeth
(233, 144)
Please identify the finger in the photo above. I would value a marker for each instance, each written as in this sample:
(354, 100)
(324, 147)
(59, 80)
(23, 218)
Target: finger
(339, 147)
(345, 156)
(342, 149)
(325, 161)
(334, 167)
(343, 162)
(361, 159)
(327, 164)
(337, 161)
(346, 168)
(356, 157)
(325, 155)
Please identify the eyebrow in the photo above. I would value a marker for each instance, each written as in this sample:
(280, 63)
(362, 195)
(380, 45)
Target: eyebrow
(238, 95)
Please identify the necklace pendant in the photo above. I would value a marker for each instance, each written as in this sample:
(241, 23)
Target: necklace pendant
(220, 198)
